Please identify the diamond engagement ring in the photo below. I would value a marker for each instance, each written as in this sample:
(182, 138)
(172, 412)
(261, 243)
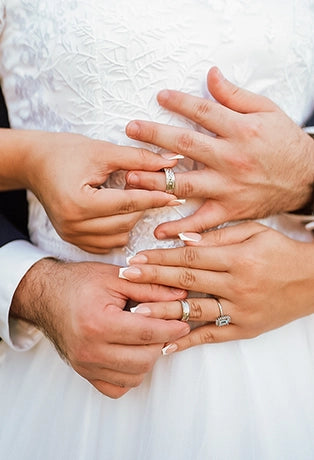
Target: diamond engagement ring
(222, 320)
(185, 310)
(170, 179)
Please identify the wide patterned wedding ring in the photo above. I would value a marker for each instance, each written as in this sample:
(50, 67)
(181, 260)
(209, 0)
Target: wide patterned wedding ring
(170, 180)
(185, 310)
(222, 320)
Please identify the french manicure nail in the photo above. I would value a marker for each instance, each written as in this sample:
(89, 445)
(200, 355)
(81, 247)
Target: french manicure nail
(170, 156)
(141, 310)
(194, 237)
(125, 272)
(176, 202)
(137, 259)
(167, 350)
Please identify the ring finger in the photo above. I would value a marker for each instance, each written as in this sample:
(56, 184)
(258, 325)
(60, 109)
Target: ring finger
(201, 309)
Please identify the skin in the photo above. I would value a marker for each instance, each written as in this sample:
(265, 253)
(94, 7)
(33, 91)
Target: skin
(241, 265)
(79, 306)
(65, 172)
(259, 162)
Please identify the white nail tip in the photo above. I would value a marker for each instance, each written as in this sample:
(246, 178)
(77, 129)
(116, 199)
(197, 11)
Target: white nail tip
(165, 349)
(176, 157)
(183, 237)
(121, 271)
(127, 259)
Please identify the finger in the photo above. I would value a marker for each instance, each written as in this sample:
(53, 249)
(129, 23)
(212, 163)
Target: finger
(108, 202)
(201, 309)
(180, 277)
(105, 226)
(200, 258)
(121, 364)
(201, 183)
(112, 391)
(235, 98)
(233, 234)
(195, 145)
(209, 333)
(209, 215)
(136, 158)
(124, 328)
(210, 115)
(98, 244)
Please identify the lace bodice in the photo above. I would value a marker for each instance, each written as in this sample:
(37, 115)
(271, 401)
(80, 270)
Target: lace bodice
(91, 66)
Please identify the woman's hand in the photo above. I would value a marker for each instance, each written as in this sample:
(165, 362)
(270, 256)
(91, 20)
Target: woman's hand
(262, 279)
(259, 163)
(65, 171)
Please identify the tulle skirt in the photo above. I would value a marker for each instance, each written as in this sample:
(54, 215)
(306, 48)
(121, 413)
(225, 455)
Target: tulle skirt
(250, 399)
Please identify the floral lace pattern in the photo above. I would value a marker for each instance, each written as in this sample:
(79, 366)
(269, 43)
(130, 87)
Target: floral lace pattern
(91, 66)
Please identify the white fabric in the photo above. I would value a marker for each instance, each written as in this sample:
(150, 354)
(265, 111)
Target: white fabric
(16, 258)
(90, 67)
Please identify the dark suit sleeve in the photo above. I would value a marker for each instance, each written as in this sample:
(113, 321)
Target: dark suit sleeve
(13, 205)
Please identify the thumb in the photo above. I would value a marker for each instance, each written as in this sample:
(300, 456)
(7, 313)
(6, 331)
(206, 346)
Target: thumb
(235, 98)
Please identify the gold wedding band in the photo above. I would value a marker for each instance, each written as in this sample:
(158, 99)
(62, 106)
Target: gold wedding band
(185, 310)
(170, 180)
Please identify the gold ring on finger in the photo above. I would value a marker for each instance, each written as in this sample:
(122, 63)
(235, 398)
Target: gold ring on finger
(185, 310)
(170, 180)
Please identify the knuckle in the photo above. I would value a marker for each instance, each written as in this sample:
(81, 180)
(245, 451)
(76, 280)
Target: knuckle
(142, 153)
(185, 143)
(186, 278)
(201, 111)
(196, 309)
(146, 335)
(127, 207)
(207, 336)
(185, 189)
(189, 256)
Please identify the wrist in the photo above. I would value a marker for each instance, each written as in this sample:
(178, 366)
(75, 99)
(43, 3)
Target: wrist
(30, 301)
(306, 207)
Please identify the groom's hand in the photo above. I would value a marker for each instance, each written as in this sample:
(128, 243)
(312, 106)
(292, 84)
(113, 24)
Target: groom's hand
(79, 306)
(66, 171)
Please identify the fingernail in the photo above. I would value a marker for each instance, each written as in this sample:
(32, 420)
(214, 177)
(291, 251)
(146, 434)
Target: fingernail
(195, 237)
(141, 310)
(160, 236)
(170, 156)
(219, 74)
(310, 226)
(125, 272)
(137, 259)
(178, 292)
(171, 348)
(163, 95)
(132, 178)
(176, 202)
(133, 129)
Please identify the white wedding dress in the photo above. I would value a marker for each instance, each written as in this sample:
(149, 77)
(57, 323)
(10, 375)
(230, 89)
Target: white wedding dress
(90, 67)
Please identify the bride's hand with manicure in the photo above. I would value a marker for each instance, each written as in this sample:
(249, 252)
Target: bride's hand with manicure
(262, 279)
(66, 171)
(248, 162)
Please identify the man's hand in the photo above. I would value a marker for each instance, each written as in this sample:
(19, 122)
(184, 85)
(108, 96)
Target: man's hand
(79, 306)
(258, 163)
